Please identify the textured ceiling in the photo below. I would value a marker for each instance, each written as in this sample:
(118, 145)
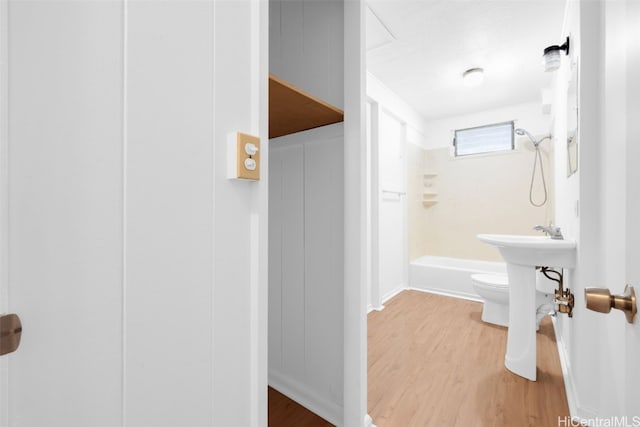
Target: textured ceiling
(419, 49)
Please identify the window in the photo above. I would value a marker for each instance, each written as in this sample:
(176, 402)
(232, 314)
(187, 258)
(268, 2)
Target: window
(484, 139)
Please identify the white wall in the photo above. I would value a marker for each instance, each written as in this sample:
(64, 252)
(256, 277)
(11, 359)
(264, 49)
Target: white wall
(578, 203)
(388, 100)
(596, 347)
(306, 187)
(439, 133)
(4, 208)
(484, 194)
(306, 274)
(138, 269)
(306, 40)
(355, 209)
(65, 212)
(494, 186)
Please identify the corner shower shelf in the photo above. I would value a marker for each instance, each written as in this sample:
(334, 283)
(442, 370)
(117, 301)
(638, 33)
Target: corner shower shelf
(429, 199)
(293, 110)
(428, 179)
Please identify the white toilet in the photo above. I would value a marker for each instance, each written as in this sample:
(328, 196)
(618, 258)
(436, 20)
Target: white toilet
(494, 290)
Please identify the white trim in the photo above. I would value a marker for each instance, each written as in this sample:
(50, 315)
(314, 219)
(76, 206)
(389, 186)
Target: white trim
(306, 397)
(371, 308)
(125, 234)
(4, 199)
(371, 181)
(261, 329)
(368, 422)
(447, 294)
(392, 294)
(355, 184)
(259, 221)
(214, 246)
(570, 387)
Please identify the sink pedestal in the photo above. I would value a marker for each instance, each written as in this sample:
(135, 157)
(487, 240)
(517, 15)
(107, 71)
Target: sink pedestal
(522, 254)
(521, 337)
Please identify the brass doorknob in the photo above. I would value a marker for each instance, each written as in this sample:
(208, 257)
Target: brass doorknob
(601, 300)
(10, 333)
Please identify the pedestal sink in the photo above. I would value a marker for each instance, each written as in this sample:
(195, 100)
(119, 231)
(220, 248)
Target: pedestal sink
(522, 254)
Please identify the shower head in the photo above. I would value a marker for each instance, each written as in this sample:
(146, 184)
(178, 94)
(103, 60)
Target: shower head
(523, 132)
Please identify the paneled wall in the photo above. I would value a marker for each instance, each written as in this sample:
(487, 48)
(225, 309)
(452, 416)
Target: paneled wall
(306, 39)
(138, 269)
(306, 213)
(306, 208)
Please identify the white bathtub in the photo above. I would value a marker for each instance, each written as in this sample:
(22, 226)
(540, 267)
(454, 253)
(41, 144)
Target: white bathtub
(449, 276)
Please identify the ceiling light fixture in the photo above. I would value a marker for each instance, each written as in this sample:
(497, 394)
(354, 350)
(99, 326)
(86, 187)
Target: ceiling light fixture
(551, 56)
(473, 77)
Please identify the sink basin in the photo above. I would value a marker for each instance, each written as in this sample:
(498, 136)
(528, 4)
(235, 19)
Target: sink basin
(533, 250)
(522, 254)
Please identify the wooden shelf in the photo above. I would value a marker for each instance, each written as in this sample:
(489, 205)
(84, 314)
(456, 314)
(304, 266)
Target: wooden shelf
(292, 110)
(429, 203)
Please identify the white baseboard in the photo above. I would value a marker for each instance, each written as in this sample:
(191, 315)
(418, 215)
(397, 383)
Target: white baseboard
(447, 294)
(371, 308)
(386, 297)
(368, 422)
(575, 410)
(306, 397)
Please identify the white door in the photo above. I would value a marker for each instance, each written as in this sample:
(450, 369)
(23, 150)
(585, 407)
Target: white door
(620, 341)
(392, 214)
(113, 196)
(632, 112)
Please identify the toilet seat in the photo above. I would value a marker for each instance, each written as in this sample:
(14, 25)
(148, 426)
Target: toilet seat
(499, 281)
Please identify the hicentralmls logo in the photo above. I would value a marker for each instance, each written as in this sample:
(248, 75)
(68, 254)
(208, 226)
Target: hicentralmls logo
(599, 422)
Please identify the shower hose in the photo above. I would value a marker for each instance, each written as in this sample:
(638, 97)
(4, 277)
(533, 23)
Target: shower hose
(537, 159)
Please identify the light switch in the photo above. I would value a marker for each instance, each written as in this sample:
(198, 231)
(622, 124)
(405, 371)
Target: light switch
(243, 157)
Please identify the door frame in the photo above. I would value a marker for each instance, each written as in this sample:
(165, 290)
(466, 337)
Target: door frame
(4, 200)
(355, 291)
(632, 273)
(372, 194)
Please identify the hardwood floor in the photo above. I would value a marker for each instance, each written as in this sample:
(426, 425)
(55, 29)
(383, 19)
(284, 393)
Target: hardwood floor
(284, 412)
(433, 362)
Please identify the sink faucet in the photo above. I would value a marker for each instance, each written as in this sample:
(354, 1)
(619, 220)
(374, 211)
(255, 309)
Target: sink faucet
(551, 231)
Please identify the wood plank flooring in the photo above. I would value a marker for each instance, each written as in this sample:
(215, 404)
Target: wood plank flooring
(284, 412)
(433, 362)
